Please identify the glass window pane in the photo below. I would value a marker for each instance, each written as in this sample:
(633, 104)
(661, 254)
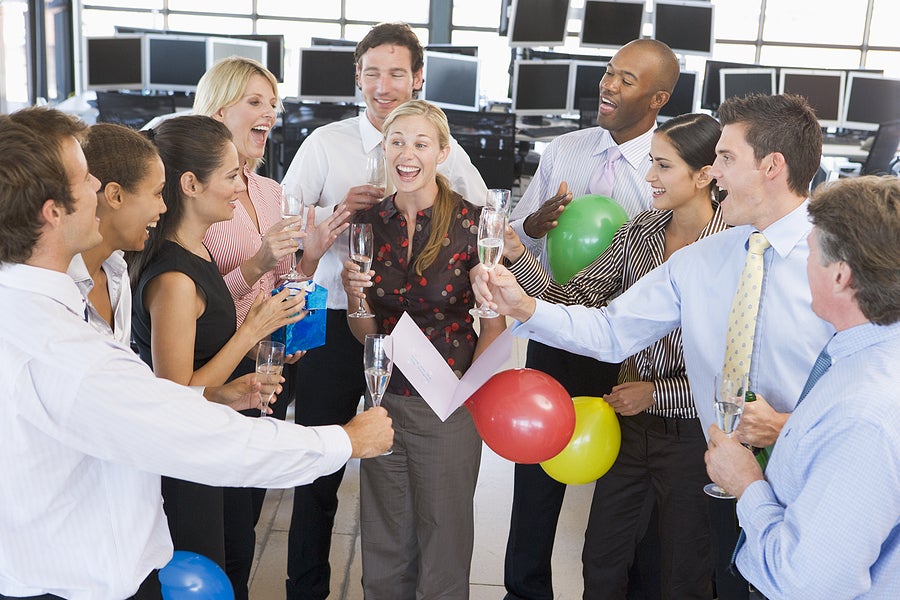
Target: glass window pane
(103, 22)
(13, 48)
(885, 16)
(179, 22)
(216, 6)
(494, 55)
(809, 58)
(157, 4)
(320, 9)
(807, 21)
(387, 10)
(889, 62)
(477, 13)
(740, 53)
(736, 19)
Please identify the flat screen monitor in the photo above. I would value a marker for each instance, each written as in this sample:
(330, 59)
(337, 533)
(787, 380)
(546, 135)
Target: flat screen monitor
(218, 48)
(684, 97)
(175, 63)
(453, 49)
(709, 98)
(823, 90)
(685, 25)
(871, 100)
(451, 80)
(538, 23)
(328, 74)
(541, 87)
(742, 82)
(611, 23)
(587, 76)
(320, 41)
(114, 63)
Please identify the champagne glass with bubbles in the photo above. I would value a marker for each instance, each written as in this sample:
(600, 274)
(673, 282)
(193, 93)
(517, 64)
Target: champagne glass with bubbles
(361, 252)
(375, 174)
(378, 361)
(291, 206)
(269, 363)
(490, 248)
(729, 406)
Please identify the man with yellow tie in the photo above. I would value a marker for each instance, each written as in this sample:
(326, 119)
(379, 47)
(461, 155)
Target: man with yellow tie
(768, 152)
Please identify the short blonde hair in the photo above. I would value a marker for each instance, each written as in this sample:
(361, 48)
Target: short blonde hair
(224, 84)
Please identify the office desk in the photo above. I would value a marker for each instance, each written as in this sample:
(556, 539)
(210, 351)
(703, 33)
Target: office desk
(849, 151)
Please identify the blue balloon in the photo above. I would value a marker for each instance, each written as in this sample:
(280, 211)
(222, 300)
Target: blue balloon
(191, 576)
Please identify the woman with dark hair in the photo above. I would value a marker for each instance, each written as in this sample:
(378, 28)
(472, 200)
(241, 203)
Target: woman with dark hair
(661, 457)
(416, 504)
(183, 317)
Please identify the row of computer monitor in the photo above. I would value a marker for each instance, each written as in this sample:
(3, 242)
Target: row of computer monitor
(685, 25)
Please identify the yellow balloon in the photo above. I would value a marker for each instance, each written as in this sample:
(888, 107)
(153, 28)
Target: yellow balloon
(594, 445)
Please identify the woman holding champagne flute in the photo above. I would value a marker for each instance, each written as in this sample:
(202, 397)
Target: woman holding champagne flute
(417, 522)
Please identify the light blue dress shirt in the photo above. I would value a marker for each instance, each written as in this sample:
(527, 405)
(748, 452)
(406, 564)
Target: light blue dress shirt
(693, 290)
(826, 521)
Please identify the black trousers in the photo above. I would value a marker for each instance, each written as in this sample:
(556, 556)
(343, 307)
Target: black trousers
(242, 506)
(330, 384)
(537, 498)
(730, 585)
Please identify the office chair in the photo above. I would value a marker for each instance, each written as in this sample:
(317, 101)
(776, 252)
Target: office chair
(489, 138)
(298, 120)
(587, 112)
(132, 110)
(882, 157)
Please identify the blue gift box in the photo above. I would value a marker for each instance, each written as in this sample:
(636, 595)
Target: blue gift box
(308, 332)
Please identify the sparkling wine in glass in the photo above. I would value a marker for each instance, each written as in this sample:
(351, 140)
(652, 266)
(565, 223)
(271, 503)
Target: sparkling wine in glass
(361, 251)
(269, 363)
(490, 249)
(378, 361)
(291, 206)
(375, 174)
(729, 406)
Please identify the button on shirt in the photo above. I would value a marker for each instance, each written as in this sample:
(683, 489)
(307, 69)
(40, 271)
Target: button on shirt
(574, 158)
(332, 160)
(87, 430)
(693, 290)
(825, 523)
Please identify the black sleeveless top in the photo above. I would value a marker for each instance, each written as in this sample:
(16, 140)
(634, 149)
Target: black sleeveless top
(217, 323)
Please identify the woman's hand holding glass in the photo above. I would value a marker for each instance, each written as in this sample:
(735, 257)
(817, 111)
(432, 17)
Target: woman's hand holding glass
(491, 231)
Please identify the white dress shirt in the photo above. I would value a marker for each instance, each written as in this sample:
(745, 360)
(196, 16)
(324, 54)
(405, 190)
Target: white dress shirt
(574, 158)
(119, 295)
(332, 160)
(86, 433)
(693, 290)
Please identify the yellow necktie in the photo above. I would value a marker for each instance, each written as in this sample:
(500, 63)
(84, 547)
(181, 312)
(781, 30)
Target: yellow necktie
(744, 306)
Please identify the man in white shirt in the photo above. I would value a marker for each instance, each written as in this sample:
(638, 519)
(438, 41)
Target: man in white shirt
(329, 170)
(88, 428)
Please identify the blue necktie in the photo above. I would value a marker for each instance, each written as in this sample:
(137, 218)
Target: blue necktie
(822, 364)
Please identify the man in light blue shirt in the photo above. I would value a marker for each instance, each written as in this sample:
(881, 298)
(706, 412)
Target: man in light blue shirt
(768, 152)
(824, 522)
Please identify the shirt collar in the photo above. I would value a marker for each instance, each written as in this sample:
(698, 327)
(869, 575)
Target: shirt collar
(788, 231)
(371, 137)
(634, 151)
(57, 286)
(389, 210)
(850, 341)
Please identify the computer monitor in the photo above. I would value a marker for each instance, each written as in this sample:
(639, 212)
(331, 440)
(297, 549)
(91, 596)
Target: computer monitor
(541, 87)
(538, 23)
(611, 23)
(870, 101)
(586, 85)
(742, 82)
(175, 63)
(320, 41)
(709, 98)
(823, 90)
(114, 63)
(451, 80)
(684, 97)
(453, 49)
(218, 48)
(327, 74)
(685, 25)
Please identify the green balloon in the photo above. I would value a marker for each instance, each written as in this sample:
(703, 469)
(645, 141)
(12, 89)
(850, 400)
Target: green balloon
(586, 228)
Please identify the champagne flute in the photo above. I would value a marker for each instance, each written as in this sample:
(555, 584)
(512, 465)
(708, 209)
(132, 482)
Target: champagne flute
(269, 363)
(378, 361)
(498, 199)
(729, 405)
(291, 206)
(491, 227)
(375, 174)
(361, 252)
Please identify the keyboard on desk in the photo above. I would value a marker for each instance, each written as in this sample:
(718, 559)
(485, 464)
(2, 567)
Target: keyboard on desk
(548, 131)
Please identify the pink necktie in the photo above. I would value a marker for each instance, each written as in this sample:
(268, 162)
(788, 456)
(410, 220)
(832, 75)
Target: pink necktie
(605, 177)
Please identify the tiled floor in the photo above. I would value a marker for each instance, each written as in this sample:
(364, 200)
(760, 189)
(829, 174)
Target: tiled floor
(492, 504)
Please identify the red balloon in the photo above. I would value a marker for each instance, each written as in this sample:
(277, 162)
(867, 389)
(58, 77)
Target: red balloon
(524, 415)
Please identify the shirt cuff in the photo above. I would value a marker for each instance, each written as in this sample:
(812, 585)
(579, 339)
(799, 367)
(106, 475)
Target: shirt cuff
(336, 444)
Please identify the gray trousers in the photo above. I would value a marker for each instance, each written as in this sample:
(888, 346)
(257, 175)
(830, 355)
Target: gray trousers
(417, 522)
